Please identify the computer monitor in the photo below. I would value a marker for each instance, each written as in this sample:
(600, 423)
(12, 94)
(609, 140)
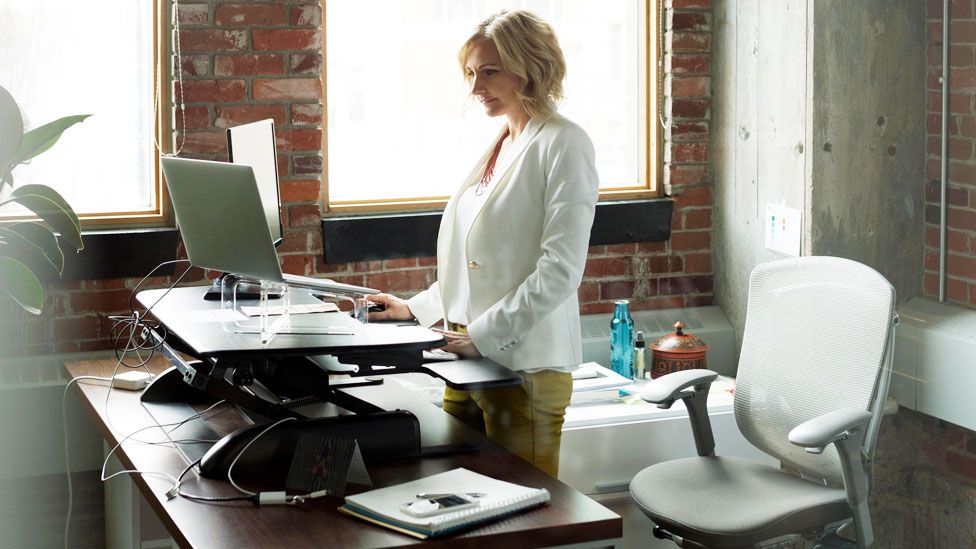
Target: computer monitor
(254, 145)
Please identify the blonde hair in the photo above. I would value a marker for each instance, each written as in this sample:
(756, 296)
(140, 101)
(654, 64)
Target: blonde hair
(529, 49)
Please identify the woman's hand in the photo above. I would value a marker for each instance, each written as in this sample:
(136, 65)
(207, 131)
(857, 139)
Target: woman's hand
(459, 344)
(394, 308)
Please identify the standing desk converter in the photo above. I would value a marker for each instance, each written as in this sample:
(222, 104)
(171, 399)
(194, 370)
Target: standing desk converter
(292, 376)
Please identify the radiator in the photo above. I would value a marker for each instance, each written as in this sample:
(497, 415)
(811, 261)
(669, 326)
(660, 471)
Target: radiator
(708, 323)
(31, 426)
(934, 368)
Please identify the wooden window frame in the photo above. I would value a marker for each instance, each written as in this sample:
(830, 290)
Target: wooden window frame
(651, 101)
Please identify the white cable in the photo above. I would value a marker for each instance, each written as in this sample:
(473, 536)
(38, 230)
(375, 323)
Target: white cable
(244, 449)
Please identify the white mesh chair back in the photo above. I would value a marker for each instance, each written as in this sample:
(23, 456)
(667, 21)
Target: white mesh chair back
(815, 338)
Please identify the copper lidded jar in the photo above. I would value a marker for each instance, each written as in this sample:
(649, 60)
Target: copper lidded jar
(677, 351)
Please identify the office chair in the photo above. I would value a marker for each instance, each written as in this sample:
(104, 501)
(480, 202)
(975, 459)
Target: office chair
(813, 376)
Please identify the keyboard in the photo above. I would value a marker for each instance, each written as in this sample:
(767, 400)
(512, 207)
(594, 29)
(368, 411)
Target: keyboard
(292, 309)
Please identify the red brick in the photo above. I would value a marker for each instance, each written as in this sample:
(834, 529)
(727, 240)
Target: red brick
(960, 31)
(105, 284)
(652, 247)
(427, 261)
(307, 164)
(694, 196)
(286, 39)
(698, 263)
(105, 301)
(235, 115)
(406, 263)
(197, 91)
(697, 219)
(604, 267)
(690, 41)
(955, 195)
(205, 143)
(678, 175)
(294, 242)
(668, 302)
(248, 64)
(961, 266)
(961, 148)
(682, 285)
(300, 190)
(690, 108)
(618, 289)
(304, 216)
(299, 140)
(194, 14)
(305, 63)
(247, 15)
(699, 300)
(691, 86)
(193, 65)
(401, 281)
(367, 266)
(689, 152)
(596, 308)
(691, 4)
(690, 64)
(690, 240)
(194, 118)
(309, 114)
(291, 88)
(301, 265)
(690, 21)
(83, 327)
(588, 292)
(308, 15)
(209, 40)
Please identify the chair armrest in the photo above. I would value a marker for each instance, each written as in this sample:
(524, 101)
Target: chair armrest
(815, 434)
(664, 390)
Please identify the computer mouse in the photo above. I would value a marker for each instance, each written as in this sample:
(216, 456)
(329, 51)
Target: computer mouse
(375, 307)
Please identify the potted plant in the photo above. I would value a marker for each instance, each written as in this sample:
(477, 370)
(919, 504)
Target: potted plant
(30, 250)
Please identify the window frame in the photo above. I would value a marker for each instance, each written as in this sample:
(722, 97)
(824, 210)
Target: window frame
(651, 163)
(160, 215)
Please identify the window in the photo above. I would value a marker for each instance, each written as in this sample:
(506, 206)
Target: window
(64, 57)
(402, 131)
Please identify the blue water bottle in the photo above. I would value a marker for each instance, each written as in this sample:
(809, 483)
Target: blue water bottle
(621, 342)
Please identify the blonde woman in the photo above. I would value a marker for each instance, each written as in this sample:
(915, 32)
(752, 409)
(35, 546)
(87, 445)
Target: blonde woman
(513, 240)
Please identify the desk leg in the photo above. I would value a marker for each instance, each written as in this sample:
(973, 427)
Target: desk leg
(128, 519)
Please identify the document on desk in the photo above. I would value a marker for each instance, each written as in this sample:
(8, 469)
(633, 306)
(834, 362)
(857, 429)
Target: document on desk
(496, 499)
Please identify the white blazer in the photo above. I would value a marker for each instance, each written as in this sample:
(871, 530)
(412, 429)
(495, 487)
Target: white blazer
(526, 250)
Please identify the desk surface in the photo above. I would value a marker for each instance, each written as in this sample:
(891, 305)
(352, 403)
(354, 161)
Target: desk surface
(569, 518)
(209, 330)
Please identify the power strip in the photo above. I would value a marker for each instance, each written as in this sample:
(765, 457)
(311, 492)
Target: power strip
(131, 381)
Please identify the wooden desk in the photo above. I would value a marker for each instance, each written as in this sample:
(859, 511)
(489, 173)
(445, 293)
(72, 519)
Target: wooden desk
(570, 518)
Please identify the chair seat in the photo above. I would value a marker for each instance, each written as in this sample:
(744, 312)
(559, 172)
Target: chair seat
(730, 502)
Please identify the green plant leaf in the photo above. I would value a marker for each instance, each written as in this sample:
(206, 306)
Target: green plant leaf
(52, 209)
(11, 132)
(32, 256)
(17, 281)
(43, 238)
(43, 138)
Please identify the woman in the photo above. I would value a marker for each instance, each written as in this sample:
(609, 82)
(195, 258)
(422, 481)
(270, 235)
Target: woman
(513, 240)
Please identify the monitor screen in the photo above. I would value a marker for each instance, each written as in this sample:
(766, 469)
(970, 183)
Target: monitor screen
(254, 145)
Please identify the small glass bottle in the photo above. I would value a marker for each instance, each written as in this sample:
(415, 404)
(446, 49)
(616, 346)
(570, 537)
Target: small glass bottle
(621, 344)
(639, 358)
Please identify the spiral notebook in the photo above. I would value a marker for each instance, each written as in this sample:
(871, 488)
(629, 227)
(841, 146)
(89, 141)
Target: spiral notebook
(382, 506)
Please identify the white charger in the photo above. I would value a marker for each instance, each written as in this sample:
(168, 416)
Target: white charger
(134, 380)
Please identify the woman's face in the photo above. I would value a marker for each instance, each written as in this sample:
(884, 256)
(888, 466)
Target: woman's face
(490, 82)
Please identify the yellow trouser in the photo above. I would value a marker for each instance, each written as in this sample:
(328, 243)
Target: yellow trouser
(526, 419)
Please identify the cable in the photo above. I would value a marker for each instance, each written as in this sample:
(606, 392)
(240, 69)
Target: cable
(244, 449)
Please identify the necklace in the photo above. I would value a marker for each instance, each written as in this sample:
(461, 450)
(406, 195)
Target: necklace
(490, 167)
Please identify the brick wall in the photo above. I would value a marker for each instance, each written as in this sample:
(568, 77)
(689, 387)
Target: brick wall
(961, 193)
(925, 473)
(249, 61)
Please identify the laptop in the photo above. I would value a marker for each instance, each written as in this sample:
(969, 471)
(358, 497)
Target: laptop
(222, 220)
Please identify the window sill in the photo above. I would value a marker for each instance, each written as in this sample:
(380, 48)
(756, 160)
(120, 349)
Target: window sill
(349, 238)
(121, 253)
